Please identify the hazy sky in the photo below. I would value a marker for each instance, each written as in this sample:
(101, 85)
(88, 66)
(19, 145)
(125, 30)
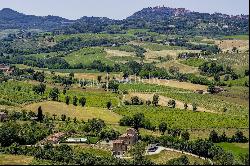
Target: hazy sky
(118, 9)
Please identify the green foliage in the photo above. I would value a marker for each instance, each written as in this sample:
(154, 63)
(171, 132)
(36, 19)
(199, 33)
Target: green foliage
(183, 160)
(155, 100)
(67, 99)
(239, 37)
(87, 56)
(24, 134)
(163, 127)
(54, 94)
(109, 134)
(109, 105)
(208, 101)
(40, 115)
(138, 151)
(95, 125)
(75, 99)
(171, 103)
(195, 62)
(137, 121)
(182, 119)
(93, 99)
(185, 135)
(82, 101)
(18, 92)
(39, 89)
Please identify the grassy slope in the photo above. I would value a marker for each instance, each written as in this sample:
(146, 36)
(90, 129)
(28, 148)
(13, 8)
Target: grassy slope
(15, 159)
(165, 156)
(193, 62)
(87, 56)
(236, 148)
(240, 37)
(75, 111)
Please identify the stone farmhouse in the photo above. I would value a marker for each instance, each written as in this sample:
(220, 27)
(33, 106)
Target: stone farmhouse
(120, 146)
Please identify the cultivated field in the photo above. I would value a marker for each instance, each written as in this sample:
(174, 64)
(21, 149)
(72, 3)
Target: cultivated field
(81, 113)
(227, 45)
(184, 119)
(163, 101)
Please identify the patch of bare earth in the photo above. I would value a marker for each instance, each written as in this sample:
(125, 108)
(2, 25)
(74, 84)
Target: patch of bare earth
(182, 67)
(227, 45)
(176, 84)
(117, 53)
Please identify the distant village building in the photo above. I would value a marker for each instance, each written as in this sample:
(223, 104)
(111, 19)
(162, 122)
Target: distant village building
(54, 139)
(218, 89)
(120, 146)
(3, 116)
(6, 69)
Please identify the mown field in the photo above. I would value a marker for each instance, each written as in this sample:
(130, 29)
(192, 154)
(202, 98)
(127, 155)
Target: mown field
(81, 113)
(6, 159)
(184, 119)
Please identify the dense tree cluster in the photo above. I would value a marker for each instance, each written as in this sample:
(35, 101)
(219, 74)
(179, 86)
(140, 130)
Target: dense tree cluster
(237, 137)
(23, 134)
(137, 121)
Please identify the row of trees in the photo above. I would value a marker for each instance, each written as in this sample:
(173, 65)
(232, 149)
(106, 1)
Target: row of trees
(237, 137)
(135, 100)
(82, 101)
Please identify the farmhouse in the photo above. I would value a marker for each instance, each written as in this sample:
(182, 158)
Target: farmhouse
(129, 138)
(119, 147)
(3, 116)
